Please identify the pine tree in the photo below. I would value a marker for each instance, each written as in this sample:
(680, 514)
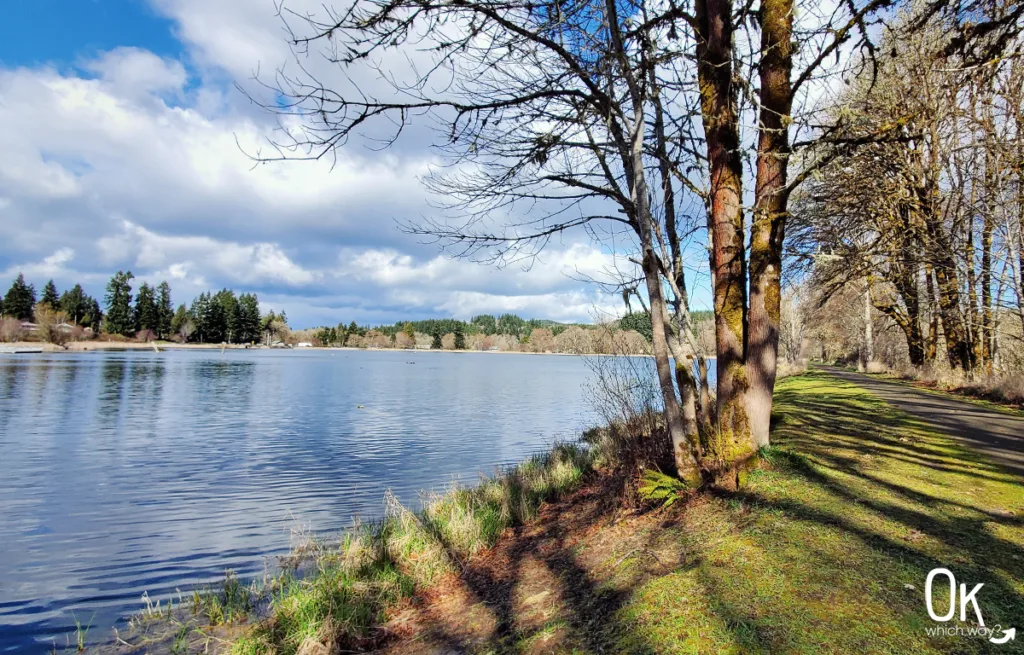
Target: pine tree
(211, 322)
(198, 312)
(50, 296)
(75, 304)
(435, 343)
(146, 317)
(164, 310)
(248, 318)
(460, 337)
(94, 315)
(120, 319)
(20, 299)
(229, 309)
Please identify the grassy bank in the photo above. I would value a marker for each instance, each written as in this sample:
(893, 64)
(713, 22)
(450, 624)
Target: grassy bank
(825, 550)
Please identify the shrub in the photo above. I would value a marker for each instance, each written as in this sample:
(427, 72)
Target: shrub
(11, 330)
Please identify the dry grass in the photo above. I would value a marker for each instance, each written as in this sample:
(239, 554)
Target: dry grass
(1003, 388)
(341, 599)
(789, 369)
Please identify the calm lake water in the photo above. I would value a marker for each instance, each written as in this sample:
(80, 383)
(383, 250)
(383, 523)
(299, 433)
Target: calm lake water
(136, 471)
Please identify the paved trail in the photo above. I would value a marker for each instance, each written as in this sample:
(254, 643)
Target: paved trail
(998, 435)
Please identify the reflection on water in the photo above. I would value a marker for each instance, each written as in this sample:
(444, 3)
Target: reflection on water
(126, 472)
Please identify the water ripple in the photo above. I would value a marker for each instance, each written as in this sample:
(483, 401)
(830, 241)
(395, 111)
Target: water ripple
(125, 473)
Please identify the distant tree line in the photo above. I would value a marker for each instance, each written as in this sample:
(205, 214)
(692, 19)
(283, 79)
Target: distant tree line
(78, 307)
(508, 332)
(221, 317)
(147, 313)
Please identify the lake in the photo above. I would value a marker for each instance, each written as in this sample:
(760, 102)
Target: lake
(125, 472)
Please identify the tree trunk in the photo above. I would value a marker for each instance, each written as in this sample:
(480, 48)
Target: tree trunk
(682, 448)
(728, 259)
(770, 212)
(958, 349)
(986, 336)
(705, 392)
(932, 341)
(972, 327)
(869, 341)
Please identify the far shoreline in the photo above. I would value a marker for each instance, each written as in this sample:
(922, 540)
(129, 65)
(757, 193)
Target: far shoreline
(99, 346)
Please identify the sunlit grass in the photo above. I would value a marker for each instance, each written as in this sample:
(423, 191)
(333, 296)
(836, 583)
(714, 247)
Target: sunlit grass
(827, 549)
(344, 597)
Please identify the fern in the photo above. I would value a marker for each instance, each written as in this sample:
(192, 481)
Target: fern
(770, 454)
(655, 486)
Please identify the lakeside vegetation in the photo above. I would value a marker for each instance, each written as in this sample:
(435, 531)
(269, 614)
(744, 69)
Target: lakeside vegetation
(825, 550)
(226, 318)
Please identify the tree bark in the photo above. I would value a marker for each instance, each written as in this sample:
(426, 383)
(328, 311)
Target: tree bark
(770, 212)
(869, 341)
(932, 341)
(686, 462)
(728, 258)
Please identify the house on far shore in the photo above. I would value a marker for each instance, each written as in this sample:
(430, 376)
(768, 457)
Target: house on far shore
(304, 344)
(29, 326)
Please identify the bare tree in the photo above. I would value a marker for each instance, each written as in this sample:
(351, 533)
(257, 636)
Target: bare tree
(560, 118)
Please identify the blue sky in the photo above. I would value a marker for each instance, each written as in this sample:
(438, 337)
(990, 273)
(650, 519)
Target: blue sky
(63, 32)
(121, 140)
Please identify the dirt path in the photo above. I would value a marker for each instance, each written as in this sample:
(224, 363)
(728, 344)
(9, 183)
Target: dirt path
(1000, 436)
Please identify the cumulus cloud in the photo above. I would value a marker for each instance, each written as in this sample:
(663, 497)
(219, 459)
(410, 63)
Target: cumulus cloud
(135, 161)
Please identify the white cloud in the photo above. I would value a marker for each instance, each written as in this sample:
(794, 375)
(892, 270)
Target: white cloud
(140, 162)
(51, 266)
(133, 72)
(244, 264)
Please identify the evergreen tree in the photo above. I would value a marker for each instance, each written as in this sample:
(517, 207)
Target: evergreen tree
(248, 322)
(225, 298)
(50, 296)
(435, 343)
(460, 336)
(486, 323)
(180, 318)
(94, 315)
(20, 299)
(210, 317)
(146, 316)
(164, 310)
(199, 315)
(75, 304)
(638, 321)
(512, 325)
(120, 319)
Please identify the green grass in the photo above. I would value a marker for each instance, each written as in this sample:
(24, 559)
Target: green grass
(343, 599)
(827, 550)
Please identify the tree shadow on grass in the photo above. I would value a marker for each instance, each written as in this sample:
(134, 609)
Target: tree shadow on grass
(584, 609)
(827, 552)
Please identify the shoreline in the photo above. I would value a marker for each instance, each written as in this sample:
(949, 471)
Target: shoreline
(545, 558)
(90, 346)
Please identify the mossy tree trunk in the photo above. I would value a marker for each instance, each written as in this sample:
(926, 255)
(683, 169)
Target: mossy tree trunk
(770, 212)
(728, 255)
